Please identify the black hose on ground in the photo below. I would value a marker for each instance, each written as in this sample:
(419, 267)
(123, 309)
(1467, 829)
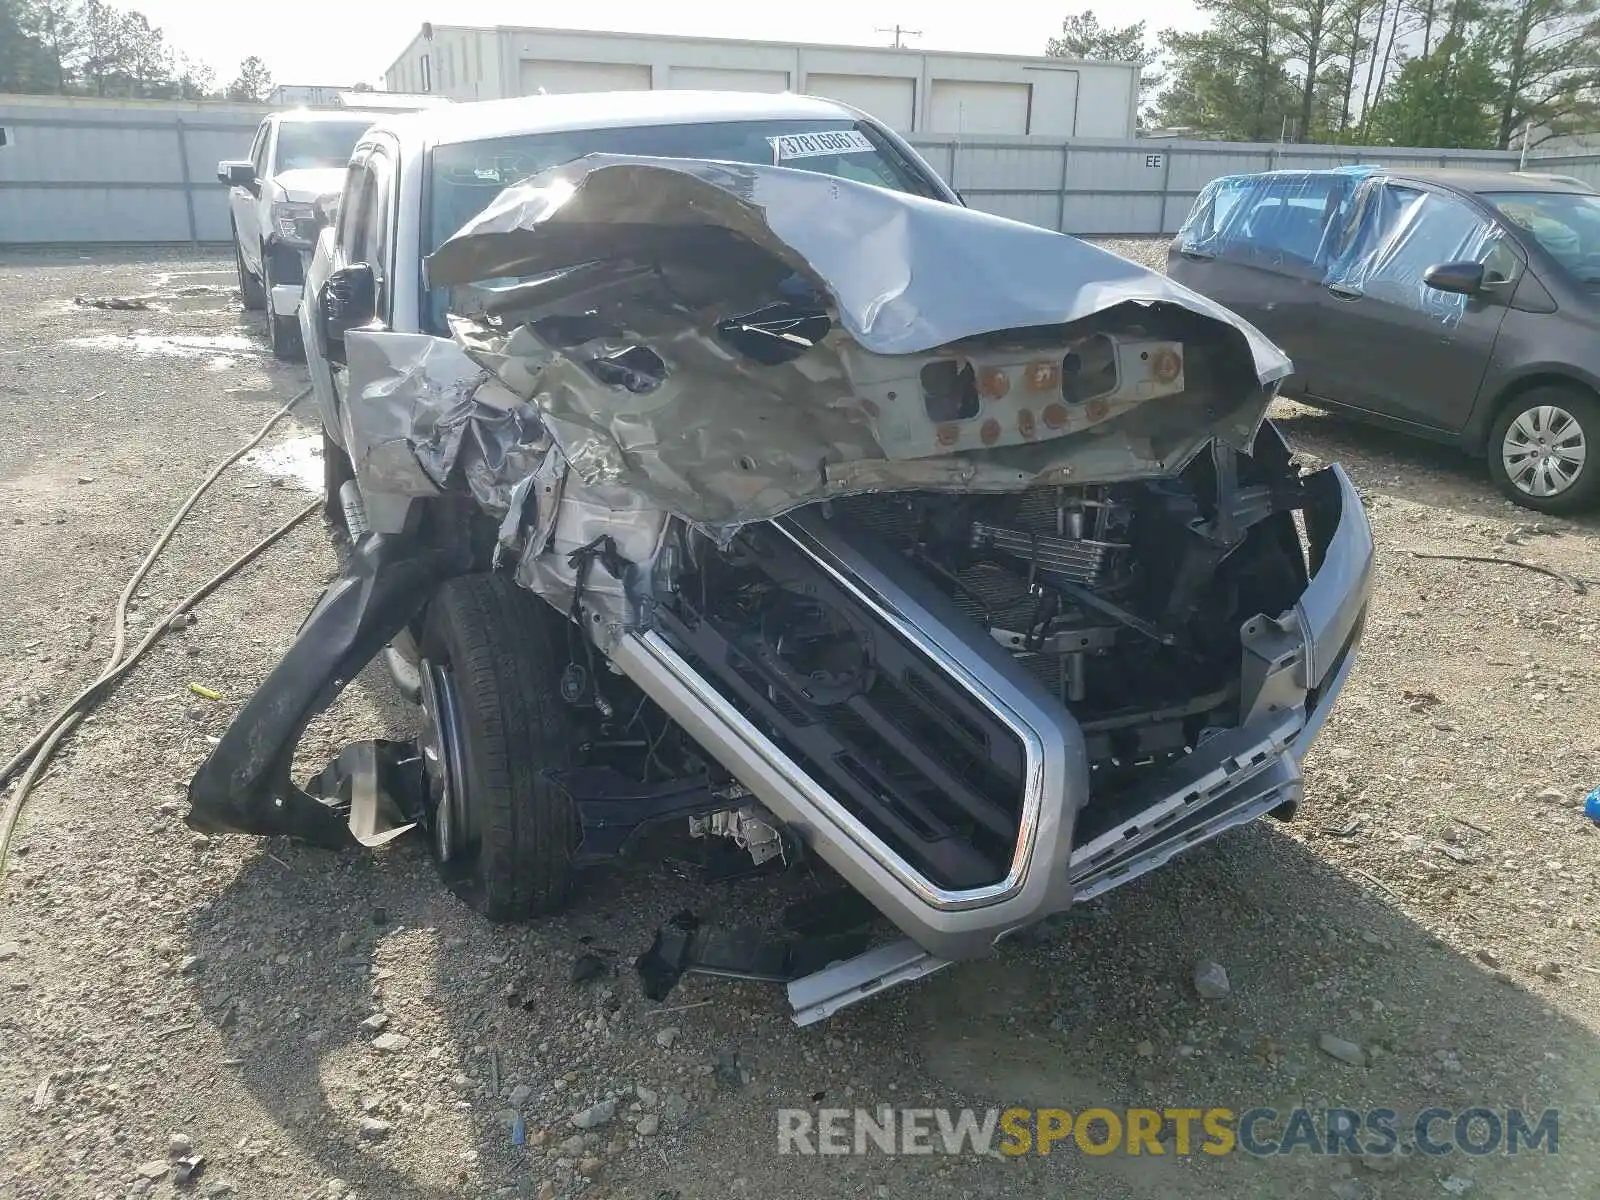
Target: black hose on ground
(36, 754)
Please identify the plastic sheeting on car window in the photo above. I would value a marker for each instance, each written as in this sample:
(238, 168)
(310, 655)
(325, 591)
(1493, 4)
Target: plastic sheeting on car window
(1288, 215)
(1401, 231)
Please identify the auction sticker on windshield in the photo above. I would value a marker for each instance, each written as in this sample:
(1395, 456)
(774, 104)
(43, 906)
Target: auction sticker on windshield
(814, 145)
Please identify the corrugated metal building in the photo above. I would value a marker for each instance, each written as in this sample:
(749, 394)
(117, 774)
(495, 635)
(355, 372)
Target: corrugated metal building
(913, 91)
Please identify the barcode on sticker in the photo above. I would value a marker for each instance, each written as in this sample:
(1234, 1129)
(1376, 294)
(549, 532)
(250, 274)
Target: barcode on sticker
(814, 145)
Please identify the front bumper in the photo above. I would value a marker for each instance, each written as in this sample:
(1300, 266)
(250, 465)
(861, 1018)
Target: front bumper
(1294, 668)
(287, 262)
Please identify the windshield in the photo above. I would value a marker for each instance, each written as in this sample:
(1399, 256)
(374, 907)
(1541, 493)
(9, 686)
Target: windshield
(306, 144)
(1565, 224)
(467, 175)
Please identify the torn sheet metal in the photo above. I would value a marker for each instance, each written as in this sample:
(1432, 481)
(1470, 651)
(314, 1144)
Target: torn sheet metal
(245, 786)
(421, 407)
(725, 343)
(906, 274)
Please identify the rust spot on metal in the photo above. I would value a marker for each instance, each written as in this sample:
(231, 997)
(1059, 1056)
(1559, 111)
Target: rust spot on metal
(948, 435)
(990, 432)
(1165, 365)
(1055, 416)
(993, 382)
(1043, 375)
(1025, 425)
(1098, 409)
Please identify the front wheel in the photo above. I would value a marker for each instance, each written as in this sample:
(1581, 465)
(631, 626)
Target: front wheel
(1541, 449)
(251, 293)
(284, 332)
(493, 724)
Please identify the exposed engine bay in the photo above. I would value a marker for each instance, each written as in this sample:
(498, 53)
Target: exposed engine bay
(1125, 603)
(989, 591)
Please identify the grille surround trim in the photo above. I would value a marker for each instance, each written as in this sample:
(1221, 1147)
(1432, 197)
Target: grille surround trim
(1052, 743)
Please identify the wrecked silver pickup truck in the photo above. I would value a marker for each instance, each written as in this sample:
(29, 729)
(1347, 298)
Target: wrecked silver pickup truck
(816, 514)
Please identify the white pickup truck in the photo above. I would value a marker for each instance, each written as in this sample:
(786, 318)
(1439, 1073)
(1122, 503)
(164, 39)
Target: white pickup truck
(297, 158)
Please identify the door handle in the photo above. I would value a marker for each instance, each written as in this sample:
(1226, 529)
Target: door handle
(1344, 293)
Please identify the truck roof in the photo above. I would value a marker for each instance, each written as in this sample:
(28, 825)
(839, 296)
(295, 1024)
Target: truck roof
(601, 110)
(322, 116)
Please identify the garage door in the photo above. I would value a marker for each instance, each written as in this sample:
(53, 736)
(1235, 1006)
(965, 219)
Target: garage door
(966, 106)
(892, 101)
(558, 77)
(729, 79)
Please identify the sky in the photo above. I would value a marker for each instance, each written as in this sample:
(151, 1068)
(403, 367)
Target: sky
(349, 41)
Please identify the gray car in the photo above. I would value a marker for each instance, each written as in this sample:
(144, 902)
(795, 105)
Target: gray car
(1461, 306)
(710, 469)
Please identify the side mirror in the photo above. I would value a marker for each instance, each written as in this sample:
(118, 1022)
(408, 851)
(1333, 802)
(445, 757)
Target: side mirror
(347, 301)
(326, 210)
(1462, 278)
(237, 173)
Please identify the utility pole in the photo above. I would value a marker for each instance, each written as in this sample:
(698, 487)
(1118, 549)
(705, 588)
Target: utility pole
(899, 32)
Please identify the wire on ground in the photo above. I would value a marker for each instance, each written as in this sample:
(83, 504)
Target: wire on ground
(36, 754)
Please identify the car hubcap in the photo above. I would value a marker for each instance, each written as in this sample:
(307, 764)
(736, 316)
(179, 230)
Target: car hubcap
(1544, 451)
(441, 756)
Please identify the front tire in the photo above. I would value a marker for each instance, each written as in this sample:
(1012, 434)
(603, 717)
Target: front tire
(251, 292)
(1543, 447)
(283, 332)
(491, 655)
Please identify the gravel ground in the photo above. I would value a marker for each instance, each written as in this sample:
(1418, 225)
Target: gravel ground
(320, 1026)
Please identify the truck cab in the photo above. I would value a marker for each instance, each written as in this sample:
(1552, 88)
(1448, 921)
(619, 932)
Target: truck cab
(296, 161)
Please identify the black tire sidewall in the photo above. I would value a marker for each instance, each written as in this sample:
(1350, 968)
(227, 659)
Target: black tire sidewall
(518, 876)
(1585, 409)
(251, 294)
(281, 331)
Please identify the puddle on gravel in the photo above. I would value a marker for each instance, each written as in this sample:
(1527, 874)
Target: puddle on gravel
(211, 346)
(298, 462)
(190, 283)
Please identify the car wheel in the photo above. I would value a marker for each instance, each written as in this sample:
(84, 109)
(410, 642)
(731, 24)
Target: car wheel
(1542, 449)
(493, 724)
(284, 332)
(251, 292)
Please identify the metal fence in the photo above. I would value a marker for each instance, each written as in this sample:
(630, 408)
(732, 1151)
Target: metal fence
(1580, 166)
(74, 171)
(80, 173)
(1143, 186)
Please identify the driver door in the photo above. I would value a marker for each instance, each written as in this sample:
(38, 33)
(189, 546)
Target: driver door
(364, 234)
(1398, 348)
(244, 203)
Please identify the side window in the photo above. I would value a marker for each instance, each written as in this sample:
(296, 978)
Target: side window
(1286, 218)
(1274, 218)
(1416, 230)
(259, 154)
(375, 229)
(1501, 262)
(258, 147)
(353, 209)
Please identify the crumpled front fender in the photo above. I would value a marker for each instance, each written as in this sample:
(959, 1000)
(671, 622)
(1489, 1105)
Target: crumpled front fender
(244, 786)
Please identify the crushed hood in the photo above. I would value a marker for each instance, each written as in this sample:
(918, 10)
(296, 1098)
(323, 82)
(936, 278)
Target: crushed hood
(906, 273)
(727, 342)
